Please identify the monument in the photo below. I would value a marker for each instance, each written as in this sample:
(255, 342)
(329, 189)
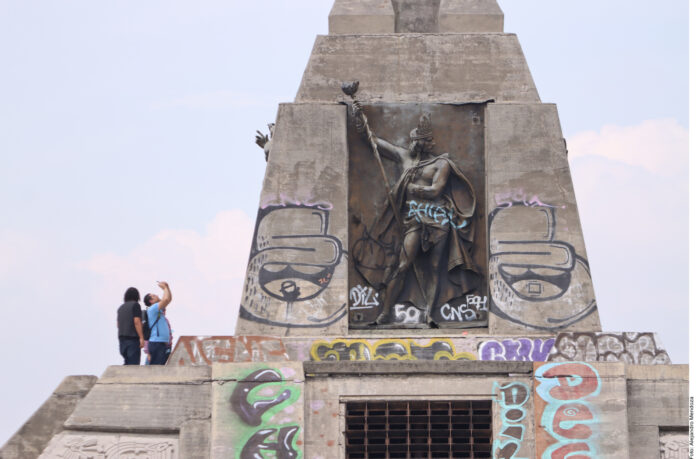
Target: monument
(417, 285)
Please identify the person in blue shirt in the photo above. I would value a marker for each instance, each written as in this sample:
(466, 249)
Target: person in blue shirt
(160, 344)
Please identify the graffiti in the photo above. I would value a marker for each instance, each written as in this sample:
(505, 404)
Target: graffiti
(429, 211)
(519, 197)
(114, 446)
(525, 349)
(567, 416)
(362, 297)
(406, 314)
(674, 445)
(293, 260)
(529, 272)
(512, 399)
(255, 399)
(386, 349)
(283, 448)
(469, 311)
(284, 201)
(195, 350)
(631, 348)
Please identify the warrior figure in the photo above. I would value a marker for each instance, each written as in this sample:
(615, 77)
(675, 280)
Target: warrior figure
(431, 241)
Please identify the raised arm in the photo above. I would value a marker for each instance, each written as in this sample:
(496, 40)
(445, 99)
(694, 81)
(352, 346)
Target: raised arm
(438, 184)
(391, 151)
(166, 295)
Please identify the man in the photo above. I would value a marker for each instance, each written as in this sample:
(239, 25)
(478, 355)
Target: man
(435, 205)
(130, 327)
(160, 342)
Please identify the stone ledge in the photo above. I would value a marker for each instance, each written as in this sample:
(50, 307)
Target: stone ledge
(145, 374)
(386, 367)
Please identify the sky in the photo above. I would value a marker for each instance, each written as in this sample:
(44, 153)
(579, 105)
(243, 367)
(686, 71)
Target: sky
(127, 156)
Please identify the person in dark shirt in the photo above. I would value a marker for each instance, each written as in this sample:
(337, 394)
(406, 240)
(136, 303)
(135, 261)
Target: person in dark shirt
(130, 327)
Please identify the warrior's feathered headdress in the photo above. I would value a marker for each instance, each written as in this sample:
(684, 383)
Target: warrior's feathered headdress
(424, 129)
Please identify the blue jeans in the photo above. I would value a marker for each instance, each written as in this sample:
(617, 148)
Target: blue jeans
(130, 350)
(159, 353)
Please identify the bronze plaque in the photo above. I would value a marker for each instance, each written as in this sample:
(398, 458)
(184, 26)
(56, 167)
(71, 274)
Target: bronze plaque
(418, 253)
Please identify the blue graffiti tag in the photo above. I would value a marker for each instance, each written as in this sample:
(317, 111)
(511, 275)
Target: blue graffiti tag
(568, 417)
(438, 214)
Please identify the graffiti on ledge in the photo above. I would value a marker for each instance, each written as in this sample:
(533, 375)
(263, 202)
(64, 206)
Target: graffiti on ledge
(524, 349)
(631, 348)
(204, 350)
(386, 349)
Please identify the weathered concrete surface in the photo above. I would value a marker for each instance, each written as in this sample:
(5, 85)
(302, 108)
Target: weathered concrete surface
(361, 17)
(252, 401)
(657, 404)
(658, 395)
(128, 374)
(324, 397)
(194, 439)
(102, 445)
(470, 16)
(48, 420)
(296, 281)
(144, 400)
(539, 274)
(416, 16)
(450, 68)
(581, 407)
(644, 442)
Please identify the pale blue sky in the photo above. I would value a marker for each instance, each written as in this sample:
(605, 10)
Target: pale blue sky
(127, 156)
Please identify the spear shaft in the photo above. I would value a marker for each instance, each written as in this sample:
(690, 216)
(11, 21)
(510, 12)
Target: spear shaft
(378, 158)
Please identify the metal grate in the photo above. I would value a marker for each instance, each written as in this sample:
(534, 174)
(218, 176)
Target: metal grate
(418, 429)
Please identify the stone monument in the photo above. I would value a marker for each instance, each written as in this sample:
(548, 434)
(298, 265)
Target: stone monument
(417, 285)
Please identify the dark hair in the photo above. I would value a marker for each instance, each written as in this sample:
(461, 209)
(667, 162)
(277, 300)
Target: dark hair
(132, 294)
(148, 299)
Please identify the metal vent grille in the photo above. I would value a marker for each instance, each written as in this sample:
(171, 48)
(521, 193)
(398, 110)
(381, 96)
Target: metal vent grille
(418, 429)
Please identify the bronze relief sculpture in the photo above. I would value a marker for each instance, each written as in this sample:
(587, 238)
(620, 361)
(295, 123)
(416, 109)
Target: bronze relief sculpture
(416, 253)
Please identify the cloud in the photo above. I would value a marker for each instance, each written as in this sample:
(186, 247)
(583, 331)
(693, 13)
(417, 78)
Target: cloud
(205, 272)
(631, 186)
(658, 146)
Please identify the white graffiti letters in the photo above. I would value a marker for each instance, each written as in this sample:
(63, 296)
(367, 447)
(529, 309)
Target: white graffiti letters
(438, 214)
(363, 297)
(466, 312)
(407, 314)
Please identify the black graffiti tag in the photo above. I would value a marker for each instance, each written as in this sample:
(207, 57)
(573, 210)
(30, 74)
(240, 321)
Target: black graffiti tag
(283, 447)
(251, 412)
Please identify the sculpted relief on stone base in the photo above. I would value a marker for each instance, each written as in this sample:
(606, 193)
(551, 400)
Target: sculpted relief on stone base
(81, 445)
(417, 251)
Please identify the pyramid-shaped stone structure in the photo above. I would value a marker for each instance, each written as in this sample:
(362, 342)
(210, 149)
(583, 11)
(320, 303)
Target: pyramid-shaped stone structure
(417, 285)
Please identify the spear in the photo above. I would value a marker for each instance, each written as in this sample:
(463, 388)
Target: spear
(350, 88)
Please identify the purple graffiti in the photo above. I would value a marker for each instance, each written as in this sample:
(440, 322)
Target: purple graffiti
(524, 349)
